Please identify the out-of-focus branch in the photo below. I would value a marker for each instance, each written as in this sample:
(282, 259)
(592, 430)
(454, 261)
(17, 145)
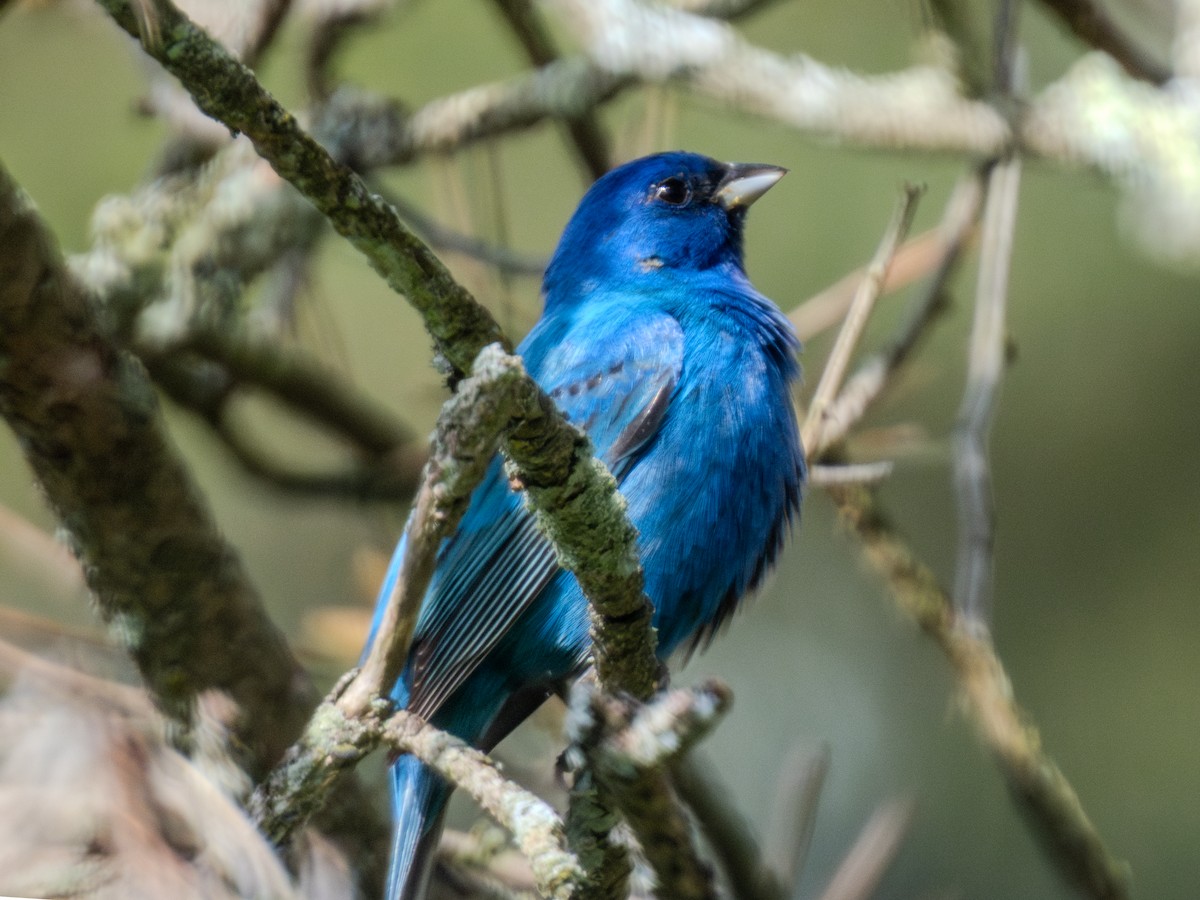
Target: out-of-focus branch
(794, 812)
(1091, 23)
(90, 429)
(727, 831)
(915, 259)
(510, 262)
(985, 367)
(173, 590)
(303, 385)
(856, 320)
(917, 109)
(587, 135)
(208, 390)
(864, 866)
(1036, 782)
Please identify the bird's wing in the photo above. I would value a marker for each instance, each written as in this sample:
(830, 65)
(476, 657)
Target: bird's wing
(616, 384)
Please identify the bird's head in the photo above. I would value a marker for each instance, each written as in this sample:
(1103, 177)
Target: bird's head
(656, 216)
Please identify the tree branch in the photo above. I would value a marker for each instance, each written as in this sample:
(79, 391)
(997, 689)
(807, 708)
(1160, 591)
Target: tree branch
(162, 575)
(985, 368)
(1091, 23)
(1037, 784)
(587, 135)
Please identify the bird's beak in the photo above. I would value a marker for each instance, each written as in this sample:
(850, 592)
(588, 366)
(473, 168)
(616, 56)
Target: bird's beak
(743, 183)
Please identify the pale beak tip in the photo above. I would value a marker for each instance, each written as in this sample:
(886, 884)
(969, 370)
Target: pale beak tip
(746, 182)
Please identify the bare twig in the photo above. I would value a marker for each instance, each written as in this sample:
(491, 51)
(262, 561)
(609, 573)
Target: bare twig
(440, 237)
(794, 813)
(862, 473)
(872, 377)
(863, 867)
(985, 367)
(856, 319)
(915, 259)
(1092, 24)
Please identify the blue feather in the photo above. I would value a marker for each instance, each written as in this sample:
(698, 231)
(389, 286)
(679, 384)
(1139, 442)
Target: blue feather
(653, 341)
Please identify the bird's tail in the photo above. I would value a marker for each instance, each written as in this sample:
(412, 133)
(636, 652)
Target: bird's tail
(419, 803)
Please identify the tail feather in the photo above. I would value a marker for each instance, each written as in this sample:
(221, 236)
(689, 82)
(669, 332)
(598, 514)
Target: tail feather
(419, 803)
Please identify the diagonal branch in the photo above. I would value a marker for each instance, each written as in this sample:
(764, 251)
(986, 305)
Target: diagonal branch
(573, 494)
(1039, 787)
(154, 559)
(587, 134)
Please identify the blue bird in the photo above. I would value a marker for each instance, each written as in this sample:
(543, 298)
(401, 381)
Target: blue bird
(654, 342)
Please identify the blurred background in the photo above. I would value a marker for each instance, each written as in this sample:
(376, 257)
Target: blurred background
(1094, 449)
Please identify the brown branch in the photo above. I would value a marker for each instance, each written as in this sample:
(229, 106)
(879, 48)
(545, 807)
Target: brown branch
(587, 135)
(162, 576)
(1037, 784)
(1091, 23)
(161, 573)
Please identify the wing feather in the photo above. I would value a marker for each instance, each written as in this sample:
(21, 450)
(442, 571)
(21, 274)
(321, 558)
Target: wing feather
(615, 382)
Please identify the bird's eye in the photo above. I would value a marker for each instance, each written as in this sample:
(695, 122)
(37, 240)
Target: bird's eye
(674, 191)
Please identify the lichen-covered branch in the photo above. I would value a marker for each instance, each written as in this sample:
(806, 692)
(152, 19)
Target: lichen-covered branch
(464, 443)
(628, 748)
(229, 92)
(573, 495)
(88, 422)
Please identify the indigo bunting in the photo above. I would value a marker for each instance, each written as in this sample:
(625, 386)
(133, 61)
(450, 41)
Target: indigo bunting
(653, 341)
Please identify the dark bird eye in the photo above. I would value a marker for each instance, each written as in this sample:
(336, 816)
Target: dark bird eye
(674, 191)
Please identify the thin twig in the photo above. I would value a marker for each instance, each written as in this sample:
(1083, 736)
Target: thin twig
(863, 867)
(794, 812)
(985, 367)
(914, 260)
(954, 234)
(856, 318)
(440, 237)
(861, 473)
